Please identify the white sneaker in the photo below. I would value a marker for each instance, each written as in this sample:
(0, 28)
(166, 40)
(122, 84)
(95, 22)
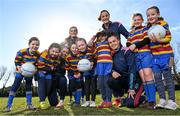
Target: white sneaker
(161, 104)
(86, 104)
(171, 105)
(92, 104)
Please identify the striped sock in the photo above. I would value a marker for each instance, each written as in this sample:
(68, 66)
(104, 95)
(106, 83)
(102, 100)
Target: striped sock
(170, 84)
(160, 85)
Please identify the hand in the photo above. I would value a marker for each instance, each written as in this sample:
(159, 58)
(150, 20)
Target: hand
(131, 93)
(132, 47)
(77, 75)
(92, 63)
(92, 40)
(154, 38)
(115, 74)
(19, 68)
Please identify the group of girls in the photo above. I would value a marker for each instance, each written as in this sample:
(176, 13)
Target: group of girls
(153, 56)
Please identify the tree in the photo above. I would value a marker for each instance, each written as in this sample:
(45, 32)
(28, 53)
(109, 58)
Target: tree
(3, 70)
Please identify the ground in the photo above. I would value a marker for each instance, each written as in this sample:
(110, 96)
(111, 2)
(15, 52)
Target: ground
(20, 103)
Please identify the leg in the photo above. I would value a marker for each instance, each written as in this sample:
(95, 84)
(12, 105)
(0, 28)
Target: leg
(14, 88)
(87, 87)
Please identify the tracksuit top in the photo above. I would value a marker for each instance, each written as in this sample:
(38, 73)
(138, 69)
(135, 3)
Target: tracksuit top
(125, 64)
(117, 28)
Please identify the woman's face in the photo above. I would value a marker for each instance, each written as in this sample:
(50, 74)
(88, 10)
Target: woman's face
(73, 32)
(137, 21)
(54, 52)
(81, 45)
(152, 16)
(34, 46)
(105, 17)
(114, 43)
(74, 48)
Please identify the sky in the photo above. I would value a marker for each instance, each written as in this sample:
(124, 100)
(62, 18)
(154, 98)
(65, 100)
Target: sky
(50, 20)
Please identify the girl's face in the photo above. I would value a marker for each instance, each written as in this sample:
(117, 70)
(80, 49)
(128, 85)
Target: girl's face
(137, 21)
(54, 52)
(114, 43)
(105, 17)
(73, 32)
(74, 48)
(81, 45)
(102, 38)
(34, 46)
(152, 16)
(64, 52)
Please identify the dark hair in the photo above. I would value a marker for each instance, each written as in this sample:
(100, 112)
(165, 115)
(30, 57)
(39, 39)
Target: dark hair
(54, 45)
(101, 33)
(99, 18)
(81, 39)
(157, 10)
(33, 39)
(110, 34)
(74, 28)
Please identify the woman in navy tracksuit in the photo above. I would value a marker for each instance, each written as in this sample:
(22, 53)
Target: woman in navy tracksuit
(123, 74)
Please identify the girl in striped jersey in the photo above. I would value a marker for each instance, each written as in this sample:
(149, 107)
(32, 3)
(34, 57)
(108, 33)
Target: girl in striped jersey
(75, 78)
(162, 56)
(143, 59)
(103, 68)
(85, 52)
(31, 55)
(47, 64)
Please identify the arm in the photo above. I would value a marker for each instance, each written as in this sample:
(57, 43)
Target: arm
(122, 30)
(142, 43)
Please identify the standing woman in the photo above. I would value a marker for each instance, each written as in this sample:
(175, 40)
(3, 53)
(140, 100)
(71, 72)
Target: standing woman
(110, 26)
(30, 55)
(73, 31)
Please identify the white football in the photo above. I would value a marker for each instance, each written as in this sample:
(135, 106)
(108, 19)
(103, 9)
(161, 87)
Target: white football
(84, 65)
(158, 30)
(28, 69)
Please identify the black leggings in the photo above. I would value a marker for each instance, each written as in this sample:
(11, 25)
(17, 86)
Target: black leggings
(90, 88)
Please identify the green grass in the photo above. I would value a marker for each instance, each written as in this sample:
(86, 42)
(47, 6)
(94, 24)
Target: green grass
(20, 103)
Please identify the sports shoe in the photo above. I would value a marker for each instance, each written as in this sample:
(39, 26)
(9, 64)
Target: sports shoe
(151, 105)
(92, 104)
(74, 104)
(7, 109)
(105, 105)
(86, 104)
(116, 102)
(60, 105)
(161, 104)
(42, 105)
(30, 107)
(171, 105)
(70, 102)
